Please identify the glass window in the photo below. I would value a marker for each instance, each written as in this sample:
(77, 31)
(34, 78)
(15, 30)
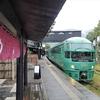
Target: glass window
(77, 46)
(51, 33)
(67, 54)
(61, 33)
(68, 46)
(70, 33)
(82, 56)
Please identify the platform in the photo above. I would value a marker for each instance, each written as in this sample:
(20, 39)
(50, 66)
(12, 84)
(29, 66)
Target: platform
(59, 86)
(54, 84)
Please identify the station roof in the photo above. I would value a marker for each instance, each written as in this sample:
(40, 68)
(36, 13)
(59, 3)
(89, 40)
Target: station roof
(33, 16)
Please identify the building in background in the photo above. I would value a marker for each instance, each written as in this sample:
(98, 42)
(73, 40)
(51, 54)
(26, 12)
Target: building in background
(58, 36)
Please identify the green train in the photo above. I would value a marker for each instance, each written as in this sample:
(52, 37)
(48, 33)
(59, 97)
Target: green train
(76, 57)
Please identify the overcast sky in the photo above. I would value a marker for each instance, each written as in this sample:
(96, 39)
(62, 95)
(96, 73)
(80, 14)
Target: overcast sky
(78, 14)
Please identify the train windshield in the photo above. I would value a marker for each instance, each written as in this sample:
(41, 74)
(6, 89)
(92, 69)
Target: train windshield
(77, 46)
(82, 56)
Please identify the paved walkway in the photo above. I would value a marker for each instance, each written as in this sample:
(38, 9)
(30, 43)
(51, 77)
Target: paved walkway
(59, 86)
(54, 85)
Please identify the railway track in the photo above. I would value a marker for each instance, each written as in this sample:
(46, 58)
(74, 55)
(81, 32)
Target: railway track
(88, 83)
(96, 72)
(93, 85)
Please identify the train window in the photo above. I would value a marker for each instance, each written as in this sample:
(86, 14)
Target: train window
(67, 46)
(67, 54)
(86, 54)
(77, 46)
(75, 54)
(82, 56)
(93, 55)
(59, 50)
(56, 50)
(52, 51)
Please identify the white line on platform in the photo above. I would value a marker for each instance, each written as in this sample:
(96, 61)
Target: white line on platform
(14, 88)
(10, 98)
(71, 94)
(1, 81)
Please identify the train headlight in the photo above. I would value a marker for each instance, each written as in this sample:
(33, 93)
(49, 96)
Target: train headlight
(72, 66)
(92, 67)
(83, 75)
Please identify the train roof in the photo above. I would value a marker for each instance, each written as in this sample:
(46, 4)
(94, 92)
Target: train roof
(77, 40)
(74, 40)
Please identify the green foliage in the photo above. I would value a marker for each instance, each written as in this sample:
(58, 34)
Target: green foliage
(50, 28)
(98, 52)
(28, 51)
(97, 30)
(90, 36)
(47, 46)
(93, 35)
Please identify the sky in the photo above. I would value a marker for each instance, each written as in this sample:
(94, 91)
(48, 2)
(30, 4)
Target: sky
(79, 15)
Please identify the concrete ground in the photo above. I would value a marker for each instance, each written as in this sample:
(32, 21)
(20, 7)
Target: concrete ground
(54, 85)
(32, 92)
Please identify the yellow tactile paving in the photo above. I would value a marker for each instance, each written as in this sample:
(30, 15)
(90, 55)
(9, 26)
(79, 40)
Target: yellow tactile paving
(68, 91)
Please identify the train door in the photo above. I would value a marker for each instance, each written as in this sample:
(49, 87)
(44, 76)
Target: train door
(62, 57)
(49, 53)
(62, 51)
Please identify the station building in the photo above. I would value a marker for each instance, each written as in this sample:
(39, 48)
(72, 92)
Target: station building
(58, 36)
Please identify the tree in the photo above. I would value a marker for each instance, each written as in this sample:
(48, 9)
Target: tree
(47, 46)
(94, 34)
(90, 36)
(97, 32)
(50, 29)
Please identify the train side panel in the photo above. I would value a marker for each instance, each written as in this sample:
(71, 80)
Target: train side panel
(56, 55)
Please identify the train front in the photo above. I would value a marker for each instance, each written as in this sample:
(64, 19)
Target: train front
(81, 64)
